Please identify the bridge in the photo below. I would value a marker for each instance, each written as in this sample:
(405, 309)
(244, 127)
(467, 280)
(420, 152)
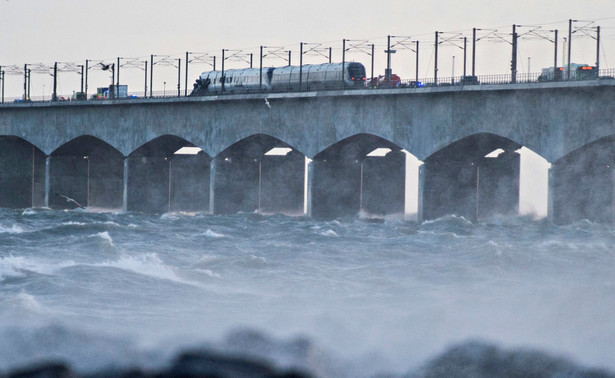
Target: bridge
(314, 151)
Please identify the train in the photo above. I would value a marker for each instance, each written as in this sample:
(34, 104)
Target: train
(282, 79)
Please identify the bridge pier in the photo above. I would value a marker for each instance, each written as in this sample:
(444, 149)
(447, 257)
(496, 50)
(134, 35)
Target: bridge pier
(474, 188)
(335, 189)
(148, 184)
(345, 186)
(189, 182)
(581, 186)
(68, 176)
(22, 174)
(261, 174)
(266, 184)
(383, 184)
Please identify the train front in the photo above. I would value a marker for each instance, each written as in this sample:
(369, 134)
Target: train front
(355, 75)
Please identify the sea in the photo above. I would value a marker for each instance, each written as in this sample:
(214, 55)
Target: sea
(360, 297)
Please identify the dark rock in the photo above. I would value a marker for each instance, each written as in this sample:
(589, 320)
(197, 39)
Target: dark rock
(49, 370)
(482, 360)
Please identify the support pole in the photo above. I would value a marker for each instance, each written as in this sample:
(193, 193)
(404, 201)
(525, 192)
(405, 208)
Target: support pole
(555, 55)
(151, 76)
(597, 51)
(330, 49)
(465, 45)
(417, 63)
(179, 77)
(300, 64)
(513, 62)
(569, 46)
(186, 82)
(117, 83)
(343, 59)
(145, 81)
(29, 80)
(289, 56)
(54, 97)
(435, 65)
(81, 79)
(372, 76)
(260, 79)
(387, 74)
(25, 82)
(223, 78)
(87, 62)
(473, 51)
(251, 60)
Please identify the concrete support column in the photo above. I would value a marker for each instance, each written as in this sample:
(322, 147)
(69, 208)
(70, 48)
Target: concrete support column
(67, 176)
(419, 212)
(581, 189)
(125, 185)
(236, 185)
(336, 189)
(499, 185)
(472, 189)
(22, 174)
(148, 184)
(384, 183)
(282, 184)
(449, 188)
(189, 183)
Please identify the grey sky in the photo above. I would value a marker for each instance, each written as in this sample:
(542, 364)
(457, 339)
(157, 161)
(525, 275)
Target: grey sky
(37, 31)
(44, 31)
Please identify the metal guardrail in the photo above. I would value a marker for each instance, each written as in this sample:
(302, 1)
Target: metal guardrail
(501, 79)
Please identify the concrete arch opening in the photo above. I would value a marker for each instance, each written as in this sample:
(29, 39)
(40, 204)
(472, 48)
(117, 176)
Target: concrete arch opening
(474, 177)
(22, 173)
(581, 184)
(362, 173)
(87, 170)
(259, 173)
(167, 174)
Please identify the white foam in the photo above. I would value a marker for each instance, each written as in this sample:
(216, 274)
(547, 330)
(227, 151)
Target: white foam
(329, 233)
(211, 234)
(105, 237)
(147, 265)
(18, 266)
(14, 229)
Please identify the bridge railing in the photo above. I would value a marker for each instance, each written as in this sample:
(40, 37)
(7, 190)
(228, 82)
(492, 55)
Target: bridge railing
(501, 79)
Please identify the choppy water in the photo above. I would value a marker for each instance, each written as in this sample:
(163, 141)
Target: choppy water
(125, 289)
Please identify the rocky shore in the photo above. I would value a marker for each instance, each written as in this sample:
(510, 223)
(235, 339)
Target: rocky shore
(471, 359)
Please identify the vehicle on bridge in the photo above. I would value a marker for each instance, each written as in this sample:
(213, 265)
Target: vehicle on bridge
(577, 72)
(282, 79)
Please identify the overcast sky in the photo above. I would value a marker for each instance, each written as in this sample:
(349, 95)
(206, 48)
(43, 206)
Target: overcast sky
(45, 31)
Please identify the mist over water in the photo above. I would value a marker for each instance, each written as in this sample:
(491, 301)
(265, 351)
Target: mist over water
(368, 296)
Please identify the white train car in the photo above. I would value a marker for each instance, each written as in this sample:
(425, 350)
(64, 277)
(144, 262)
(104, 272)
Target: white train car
(313, 77)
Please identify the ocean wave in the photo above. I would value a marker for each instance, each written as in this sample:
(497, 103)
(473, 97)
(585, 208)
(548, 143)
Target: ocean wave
(12, 229)
(211, 234)
(148, 264)
(20, 266)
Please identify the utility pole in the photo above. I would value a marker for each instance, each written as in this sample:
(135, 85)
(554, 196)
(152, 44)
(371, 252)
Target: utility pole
(417, 62)
(569, 46)
(473, 52)
(151, 76)
(300, 64)
(186, 82)
(435, 66)
(513, 62)
(597, 51)
(55, 82)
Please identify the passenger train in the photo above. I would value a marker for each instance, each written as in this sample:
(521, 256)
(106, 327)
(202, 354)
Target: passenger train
(281, 79)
